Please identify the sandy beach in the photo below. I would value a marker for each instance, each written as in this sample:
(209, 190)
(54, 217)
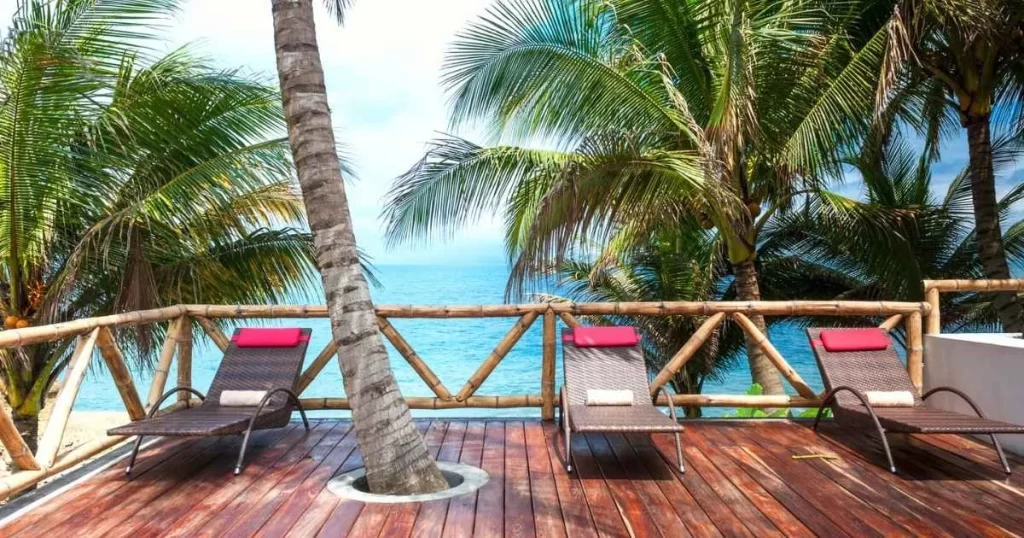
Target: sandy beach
(83, 426)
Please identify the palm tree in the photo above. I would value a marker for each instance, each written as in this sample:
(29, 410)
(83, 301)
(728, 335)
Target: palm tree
(679, 264)
(649, 110)
(131, 183)
(394, 454)
(963, 58)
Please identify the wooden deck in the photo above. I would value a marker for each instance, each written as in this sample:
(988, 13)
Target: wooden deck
(741, 480)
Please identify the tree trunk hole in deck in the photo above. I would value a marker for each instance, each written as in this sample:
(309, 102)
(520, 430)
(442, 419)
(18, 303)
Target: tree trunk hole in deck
(462, 479)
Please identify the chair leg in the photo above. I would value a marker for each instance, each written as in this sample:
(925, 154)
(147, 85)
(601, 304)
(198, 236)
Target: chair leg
(679, 453)
(135, 454)
(302, 413)
(1002, 456)
(241, 452)
(568, 448)
(888, 453)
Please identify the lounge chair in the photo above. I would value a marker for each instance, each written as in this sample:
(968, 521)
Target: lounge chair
(854, 362)
(261, 366)
(599, 361)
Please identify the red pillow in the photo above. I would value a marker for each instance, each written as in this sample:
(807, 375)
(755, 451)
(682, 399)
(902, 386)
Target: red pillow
(289, 337)
(605, 336)
(855, 340)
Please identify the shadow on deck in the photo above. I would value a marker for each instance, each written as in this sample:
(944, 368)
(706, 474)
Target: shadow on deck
(741, 480)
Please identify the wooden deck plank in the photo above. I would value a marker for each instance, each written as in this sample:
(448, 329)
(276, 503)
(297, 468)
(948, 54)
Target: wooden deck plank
(430, 518)
(518, 502)
(575, 510)
(727, 493)
(779, 514)
(242, 500)
(608, 517)
(547, 512)
(665, 477)
(741, 480)
(162, 512)
(461, 510)
(490, 503)
(873, 485)
(106, 482)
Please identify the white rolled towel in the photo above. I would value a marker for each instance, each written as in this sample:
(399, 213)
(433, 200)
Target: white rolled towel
(895, 398)
(609, 397)
(241, 398)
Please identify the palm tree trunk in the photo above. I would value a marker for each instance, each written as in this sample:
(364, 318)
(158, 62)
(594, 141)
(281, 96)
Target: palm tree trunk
(394, 454)
(762, 371)
(986, 219)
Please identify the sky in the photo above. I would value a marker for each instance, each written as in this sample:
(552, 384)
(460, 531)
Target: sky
(383, 72)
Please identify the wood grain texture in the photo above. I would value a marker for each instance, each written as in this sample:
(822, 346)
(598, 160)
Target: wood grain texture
(741, 481)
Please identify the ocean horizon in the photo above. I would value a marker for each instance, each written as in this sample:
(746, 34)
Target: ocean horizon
(453, 348)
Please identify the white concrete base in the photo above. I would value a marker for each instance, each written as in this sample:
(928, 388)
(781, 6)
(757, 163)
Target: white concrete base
(988, 367)
(464, 479)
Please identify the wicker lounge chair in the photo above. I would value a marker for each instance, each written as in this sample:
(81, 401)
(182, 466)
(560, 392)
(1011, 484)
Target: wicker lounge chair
(271, 368)
(849, 375)
(592, 366)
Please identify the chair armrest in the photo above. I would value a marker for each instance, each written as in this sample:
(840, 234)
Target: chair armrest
(959, 393)
(270, 394)
(668, 398)
(170, 393)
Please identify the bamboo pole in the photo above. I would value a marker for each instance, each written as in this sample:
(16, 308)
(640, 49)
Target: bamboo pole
(213, 331)
(689, 349)
(915, 351)
(770, 401)
(49, 444)
(330, 350)
(163, 365)
(15, 443)
(774, 356)
(119, 372)
(427, 402)
(185, 358)
(891, 322)
(49, 333)
(569, 320)
(983, 284)
(492, 360)
(934, 321)
(765, 308)
(414, 360)
(23, 480)
(547, 368)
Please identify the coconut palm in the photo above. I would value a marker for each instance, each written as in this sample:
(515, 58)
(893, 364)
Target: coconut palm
(964, 59)
(394, 454)
(128, 182)
(609, 112)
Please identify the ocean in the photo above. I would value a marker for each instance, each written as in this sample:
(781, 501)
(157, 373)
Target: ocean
(453, 348)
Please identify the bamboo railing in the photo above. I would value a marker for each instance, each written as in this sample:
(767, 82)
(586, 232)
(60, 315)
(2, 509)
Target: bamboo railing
(934, 288)
(98, 334)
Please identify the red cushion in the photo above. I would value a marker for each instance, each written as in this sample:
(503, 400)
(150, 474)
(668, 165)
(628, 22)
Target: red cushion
(855, 340)
(289, 337)
(605, 336)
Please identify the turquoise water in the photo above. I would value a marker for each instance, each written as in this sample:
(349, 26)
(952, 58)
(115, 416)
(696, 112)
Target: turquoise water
(453, 348)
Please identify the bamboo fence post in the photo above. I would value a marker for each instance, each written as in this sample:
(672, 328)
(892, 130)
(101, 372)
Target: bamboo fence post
(934, 321)
(492, 360)
(547, 368)
(891, 323)
(774, 356)
(740, 400)
(213, 331)
(15, 443)
(185, 359)
(687, 352)
(163, 366)
(49, 445)
(915, 351)
(414, 360)
(119, 372)
(569, 320)
(330, 350)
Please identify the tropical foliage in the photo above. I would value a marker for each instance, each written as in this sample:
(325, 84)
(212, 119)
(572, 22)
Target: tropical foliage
(652, 112)
(129, 181)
